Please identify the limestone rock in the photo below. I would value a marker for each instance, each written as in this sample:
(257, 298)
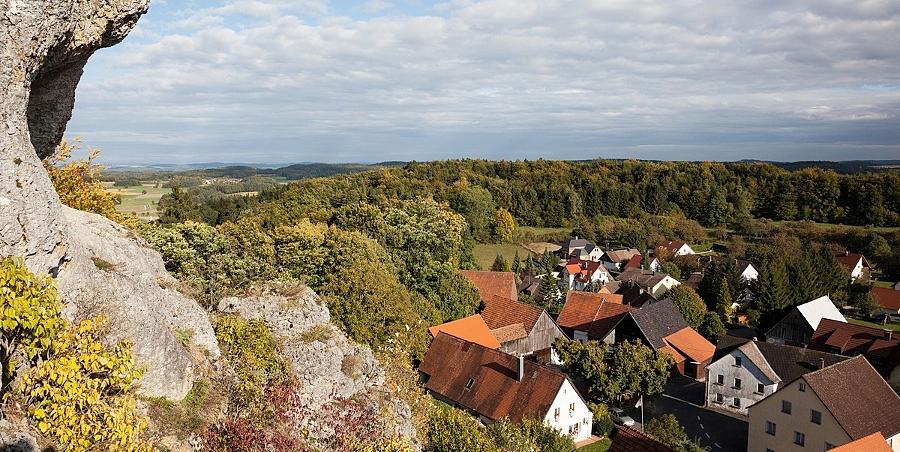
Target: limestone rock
(16, 438)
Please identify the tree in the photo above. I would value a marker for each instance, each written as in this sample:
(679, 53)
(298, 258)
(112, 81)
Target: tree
(712, 327)
(723, 300)
(587, 363)
(667, 430)
(478, 207)
(30, 318)
(805, 279)
(500, 264)
(638, 370)
(773, 291)
(549, 289)
(504, 226)
(718, 210)
(178, 207)
(692, 307)
(516, 266)
(78, 182)
(672, 269)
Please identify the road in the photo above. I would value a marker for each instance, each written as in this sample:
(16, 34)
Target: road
(683, 398)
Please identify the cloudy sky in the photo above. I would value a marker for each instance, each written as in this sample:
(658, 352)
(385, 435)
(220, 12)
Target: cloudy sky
(277, 81)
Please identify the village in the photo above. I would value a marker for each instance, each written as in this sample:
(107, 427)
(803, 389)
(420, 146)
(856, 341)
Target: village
(813, 381)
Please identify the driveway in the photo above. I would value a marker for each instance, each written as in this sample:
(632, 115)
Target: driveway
(683, 398)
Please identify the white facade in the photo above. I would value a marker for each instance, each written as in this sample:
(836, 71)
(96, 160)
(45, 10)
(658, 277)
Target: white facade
(655, 265)
(663, 286)
(684, 250)
(569, 415)
(722, 391)
(749, 275)
(857, 270)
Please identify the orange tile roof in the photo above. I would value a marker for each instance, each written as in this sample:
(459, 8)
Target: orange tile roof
(472, 329)
(850, 260)
(490, 284)
(887, 298)
(678, 357)
(502, 312)
(872, 443)
(594, 313)
(691, 344)
(628, 439)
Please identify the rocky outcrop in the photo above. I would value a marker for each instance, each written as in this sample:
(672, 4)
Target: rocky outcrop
(328, 366)
(14, 437)
(100, 267)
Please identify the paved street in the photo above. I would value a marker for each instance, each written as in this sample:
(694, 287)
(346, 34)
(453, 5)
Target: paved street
(684, 398)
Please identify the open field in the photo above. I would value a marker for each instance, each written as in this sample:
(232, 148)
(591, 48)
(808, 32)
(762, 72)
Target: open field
(889, 326)
(140, 200)
(485, 253)
(881, 229)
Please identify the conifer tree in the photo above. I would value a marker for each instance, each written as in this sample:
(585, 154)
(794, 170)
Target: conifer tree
(548, 262)
(832, 275)
(500, 264)
(549, 290)
(805, 279)
(724, 301)
(516, 266)
(773, 291)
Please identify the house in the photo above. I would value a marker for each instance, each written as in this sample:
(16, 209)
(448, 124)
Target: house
(490, 283)
(897, 286)
(745, 371)
(880, 347)
(522, 329)
(856, 265)
(888, 300)
(472, 329)
(801, 322)
(493, 385)
(580, 274)
(580, 249)
(745, 270)
(614, 260)
(655, 265)
(675, 248)
(627, 439)
(872, 443)
(826, 408)
(693, 281)
(632, 294)
(662, 327)
(592, 316)
(654, 283)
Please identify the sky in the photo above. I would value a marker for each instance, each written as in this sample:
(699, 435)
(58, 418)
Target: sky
(286, 81)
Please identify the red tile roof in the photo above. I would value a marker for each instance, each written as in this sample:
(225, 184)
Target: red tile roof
(493, 283)
(672, 245)
(850, 260)
(502, 312)
(850, 339)
(858, 398)
(634, 262)
(872, 443)
(628, 439)
(594, 313)
(691, 344)
(484, 380)
(472, 329)
(887, 298)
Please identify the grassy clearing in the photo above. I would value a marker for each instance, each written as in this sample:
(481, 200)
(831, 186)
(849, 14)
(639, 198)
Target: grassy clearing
(885, 284)
(140, 200)
(880, 229)
(485, 253)
(599, 446)
(889, 326)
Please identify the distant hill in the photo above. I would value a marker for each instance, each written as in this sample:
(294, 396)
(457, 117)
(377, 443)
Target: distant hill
(239, 171)
(846, 167)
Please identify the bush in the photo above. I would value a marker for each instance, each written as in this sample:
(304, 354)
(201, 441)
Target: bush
(603, 423)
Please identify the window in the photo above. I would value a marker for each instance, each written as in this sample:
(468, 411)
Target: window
(719, 398)
(770, 428)
(815, 417)
(737, 361)
(760, 388)
(737, 402)
(769, 450)
(737, 383)
(799, 439)
(802, 387)
(720, 379)
(785, 407)
(556, 414)
(571, 408)
(470, 383)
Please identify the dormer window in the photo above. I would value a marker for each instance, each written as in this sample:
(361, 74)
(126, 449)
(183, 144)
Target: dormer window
(470, 384)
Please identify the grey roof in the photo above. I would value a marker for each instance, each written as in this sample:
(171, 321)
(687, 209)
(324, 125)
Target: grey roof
(658, 320)
(617, 256)
(632, 293)
(572, 244)
(788, 362)
(644, 278)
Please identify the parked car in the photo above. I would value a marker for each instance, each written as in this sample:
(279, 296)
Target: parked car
(619, 417)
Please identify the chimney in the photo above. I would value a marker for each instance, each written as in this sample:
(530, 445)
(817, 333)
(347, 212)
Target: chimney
(821, 363)
(888, 334)
(520, 372)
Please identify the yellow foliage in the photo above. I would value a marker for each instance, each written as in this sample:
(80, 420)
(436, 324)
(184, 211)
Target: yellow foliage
(78, 183)
(82, 396)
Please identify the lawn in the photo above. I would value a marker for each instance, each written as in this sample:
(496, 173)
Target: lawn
(599, 446)
(485, 253)
(884, 284)
(880, 229)
(140, 200)
(889, 326)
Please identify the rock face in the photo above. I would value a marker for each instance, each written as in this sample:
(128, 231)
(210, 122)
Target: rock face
(328, 366)
(100, 267)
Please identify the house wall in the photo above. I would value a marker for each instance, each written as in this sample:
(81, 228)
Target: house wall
(749, 274)
(894, 442)
(792, 329)
(750, 376)
(542, 336)
(684, 250)
(663, 286)
(857, 270)
(568, 419)
(798, 421)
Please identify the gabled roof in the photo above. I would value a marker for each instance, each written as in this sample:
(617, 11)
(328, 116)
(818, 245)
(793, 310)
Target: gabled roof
(635, 261)
(851, 339)
(740, 266)
(872, 443)
(502, 312)
(858, 398)
(494, 392)
(658, 321)
(694, 280)
(472, 329)
(786, 361)
(573, 244)
(672, 245)
(849, 260)
(583, 269)
(493, 283)
(887, 298)
(617, 256)
(691, 344)
(594, 313)
(644, 278)
(628, 439)
(818, 309)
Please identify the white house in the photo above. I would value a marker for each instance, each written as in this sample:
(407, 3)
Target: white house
(655, 284)
(580, 274)
(580, 249)
(676, 248)
(615, 259)
(492, 385)
(747, 273)
(655, 265)
(856, 265)
(798, 326)
(743, 372)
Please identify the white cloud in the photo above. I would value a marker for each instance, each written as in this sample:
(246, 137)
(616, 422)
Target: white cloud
(299, 78)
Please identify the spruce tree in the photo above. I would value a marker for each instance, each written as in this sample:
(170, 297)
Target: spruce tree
(832, 275)
(724, 301)
(549, 290)
(516, 266)
(548, 262)
(773, 291)
(500, 264)
(805, 279)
